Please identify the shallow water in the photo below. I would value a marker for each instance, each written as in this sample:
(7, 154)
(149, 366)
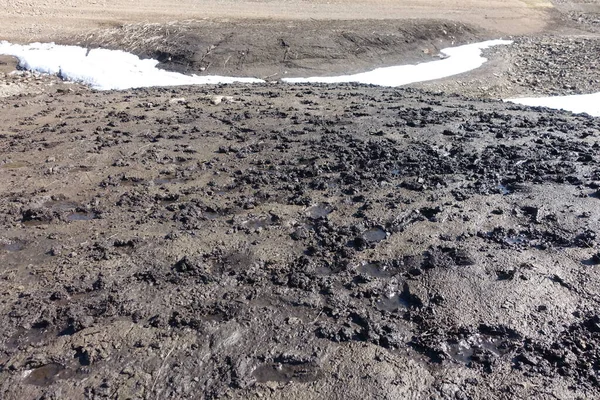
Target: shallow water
(374, 235)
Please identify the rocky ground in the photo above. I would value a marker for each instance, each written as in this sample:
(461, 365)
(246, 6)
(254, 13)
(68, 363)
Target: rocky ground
(251, 242)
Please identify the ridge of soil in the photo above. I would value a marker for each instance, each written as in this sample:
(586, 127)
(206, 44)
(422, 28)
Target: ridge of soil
(276, 49)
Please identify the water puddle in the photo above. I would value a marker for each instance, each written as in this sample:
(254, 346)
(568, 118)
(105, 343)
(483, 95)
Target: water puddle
(374, 235)
(516, 240)
(167, 179)
(464, 351)
(47, 374)
(35, 222)
(27, 337)
(391, 303)
(61, 205)
(275, 372)
(81, 216)
(322, 270)
(374, 270)
(319, 211)
(257, 223)
(15, 165)
(11, 245)
(504, 190)
(210, 215)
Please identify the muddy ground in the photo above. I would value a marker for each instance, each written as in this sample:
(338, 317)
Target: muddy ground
(313, 242)
(293, 241)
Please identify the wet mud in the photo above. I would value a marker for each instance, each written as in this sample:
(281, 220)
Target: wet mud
(297, 242)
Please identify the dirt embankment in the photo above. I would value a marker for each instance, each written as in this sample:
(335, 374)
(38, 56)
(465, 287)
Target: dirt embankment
(297, 243)
(276, 49)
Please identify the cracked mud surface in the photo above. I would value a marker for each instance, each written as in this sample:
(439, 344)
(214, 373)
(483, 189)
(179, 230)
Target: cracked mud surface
(297, 242)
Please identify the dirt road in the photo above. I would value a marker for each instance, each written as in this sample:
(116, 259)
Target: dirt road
(31, 20)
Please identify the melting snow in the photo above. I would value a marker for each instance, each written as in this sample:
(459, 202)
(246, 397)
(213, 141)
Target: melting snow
(583, 103)
(103, 69)
(457, 60)
(113, 69)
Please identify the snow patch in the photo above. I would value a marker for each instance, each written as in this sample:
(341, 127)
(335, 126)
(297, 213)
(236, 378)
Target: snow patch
(114, 69)
(582, 103)
(103, 69)
(457, 60)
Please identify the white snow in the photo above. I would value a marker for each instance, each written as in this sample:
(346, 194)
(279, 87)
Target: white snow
(103, 69)
(113, 69)
(584, 103)
(458, 60)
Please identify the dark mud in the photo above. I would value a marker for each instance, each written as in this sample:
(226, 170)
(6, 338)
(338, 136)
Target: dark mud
(297, 242)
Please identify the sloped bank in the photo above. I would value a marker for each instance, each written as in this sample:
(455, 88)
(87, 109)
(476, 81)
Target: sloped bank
(275, 49)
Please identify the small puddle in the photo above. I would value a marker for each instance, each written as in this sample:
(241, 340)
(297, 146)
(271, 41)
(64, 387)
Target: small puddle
(15, 165)
(81, 216)
(47, 374)
(322, 270)
(374, 270)
(24, 337)
(61, 205)
(391, 304)
(504, 189)
(463, 351)
(166, 179)
(374, 235)
(257, 223)
(210, 215)
(319, 211)
(274, 372)
(516, 240)
(12, 245)
(35, 222)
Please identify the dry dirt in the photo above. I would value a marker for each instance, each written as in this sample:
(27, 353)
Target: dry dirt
(296, 241)
(27, 20)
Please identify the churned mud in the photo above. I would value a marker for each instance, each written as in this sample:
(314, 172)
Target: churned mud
(296, 242)
(301, 242)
